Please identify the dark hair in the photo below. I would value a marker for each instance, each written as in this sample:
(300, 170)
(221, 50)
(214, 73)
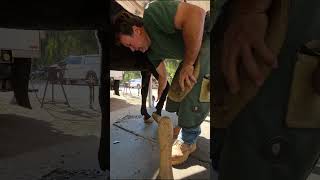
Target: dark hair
(123, 22)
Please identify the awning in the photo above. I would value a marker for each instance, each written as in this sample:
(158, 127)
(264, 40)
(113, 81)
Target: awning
(137, 6)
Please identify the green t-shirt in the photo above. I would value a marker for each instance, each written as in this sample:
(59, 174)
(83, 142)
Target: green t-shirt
(166, 40)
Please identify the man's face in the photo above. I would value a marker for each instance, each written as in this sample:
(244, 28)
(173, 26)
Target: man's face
(138, 41)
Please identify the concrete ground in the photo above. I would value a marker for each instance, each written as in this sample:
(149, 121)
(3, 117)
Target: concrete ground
(134, 150)
(51, 143)
(59, 142)
(129, 134)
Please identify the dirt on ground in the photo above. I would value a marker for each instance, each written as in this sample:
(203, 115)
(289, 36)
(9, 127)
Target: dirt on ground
(123, 101)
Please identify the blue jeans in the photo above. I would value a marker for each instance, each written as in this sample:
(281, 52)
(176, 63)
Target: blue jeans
(189, 135)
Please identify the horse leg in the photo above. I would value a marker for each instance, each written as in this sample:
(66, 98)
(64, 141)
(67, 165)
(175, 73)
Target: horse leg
(116, 86)
(144, 93)
(163, 97)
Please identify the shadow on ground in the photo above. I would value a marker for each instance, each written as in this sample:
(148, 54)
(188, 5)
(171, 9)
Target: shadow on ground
(62, 112)
(22, 134)
(201, 142)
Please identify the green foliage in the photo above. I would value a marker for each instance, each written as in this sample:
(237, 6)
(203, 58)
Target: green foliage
(131, 75)
(57, 45)
(171, 67)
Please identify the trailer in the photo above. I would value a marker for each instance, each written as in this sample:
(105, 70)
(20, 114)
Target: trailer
(17, 49)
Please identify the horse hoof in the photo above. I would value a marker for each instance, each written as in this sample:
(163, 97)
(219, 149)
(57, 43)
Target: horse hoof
(148, 120)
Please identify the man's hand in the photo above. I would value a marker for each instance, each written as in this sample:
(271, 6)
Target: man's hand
(186, 75)
(244, 45)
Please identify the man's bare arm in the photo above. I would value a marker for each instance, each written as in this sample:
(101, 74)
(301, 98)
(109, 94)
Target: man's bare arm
(190, 19)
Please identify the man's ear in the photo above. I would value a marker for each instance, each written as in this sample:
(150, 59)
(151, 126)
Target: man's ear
(135, 29)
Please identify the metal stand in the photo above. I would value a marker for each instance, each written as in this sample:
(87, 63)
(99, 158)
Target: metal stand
(91, 95)
(55, 75)
(126, 87)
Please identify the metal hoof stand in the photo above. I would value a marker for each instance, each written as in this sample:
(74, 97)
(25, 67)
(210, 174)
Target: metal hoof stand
(91, 93)
(55, 76)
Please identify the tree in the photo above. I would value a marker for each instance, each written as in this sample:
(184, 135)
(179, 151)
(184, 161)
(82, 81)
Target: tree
(57, 45)
(171, 67)
(131, 75)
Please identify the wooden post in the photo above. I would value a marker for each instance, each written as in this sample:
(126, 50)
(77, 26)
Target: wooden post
(165, 135)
